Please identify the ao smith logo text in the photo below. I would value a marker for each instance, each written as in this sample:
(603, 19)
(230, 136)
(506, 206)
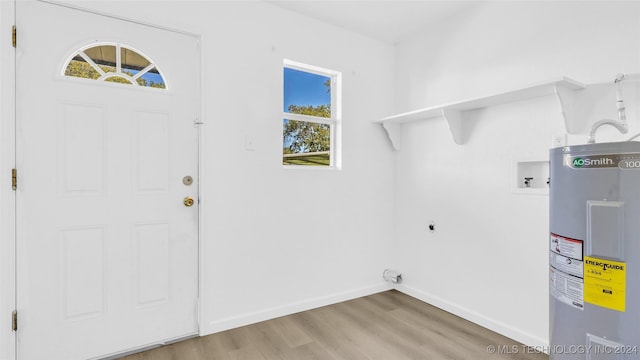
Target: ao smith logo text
(629, 161)
(604, 265)
(593, 162)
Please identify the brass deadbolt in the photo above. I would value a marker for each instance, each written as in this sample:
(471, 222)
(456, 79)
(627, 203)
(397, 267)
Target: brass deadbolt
(188, 201)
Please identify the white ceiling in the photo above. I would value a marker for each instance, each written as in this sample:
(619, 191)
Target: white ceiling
(386, 20)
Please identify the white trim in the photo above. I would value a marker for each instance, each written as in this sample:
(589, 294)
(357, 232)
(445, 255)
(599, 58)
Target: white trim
(308, 118)
(94, 82)
(7, 195)
(202, 206)
(310, 68)
(134, 350)
(87, 59)
(118, 17)
(475, 317)
(336, 114)
(310, 167)
(118, 66)
(117, 75)
(334, 122)
(292, 308)
(144, 71)
(119, 59)
(315, 153)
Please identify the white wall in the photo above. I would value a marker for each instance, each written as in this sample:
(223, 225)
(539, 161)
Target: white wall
(277, 240)
(487, 259)
(496, 45)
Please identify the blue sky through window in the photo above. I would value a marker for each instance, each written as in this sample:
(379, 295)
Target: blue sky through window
(149, 76)
(303, 88)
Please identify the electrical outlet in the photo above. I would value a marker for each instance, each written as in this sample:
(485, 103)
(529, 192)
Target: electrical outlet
(558, 140)
(249, 143)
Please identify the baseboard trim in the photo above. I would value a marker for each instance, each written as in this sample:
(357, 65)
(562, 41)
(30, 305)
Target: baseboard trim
(292, 308)
(147, 347)
(475, 317)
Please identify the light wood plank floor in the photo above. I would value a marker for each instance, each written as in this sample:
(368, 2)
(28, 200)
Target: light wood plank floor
(384, 326)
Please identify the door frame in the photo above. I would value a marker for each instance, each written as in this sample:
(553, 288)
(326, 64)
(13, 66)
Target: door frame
(7, 195)
(8, 226)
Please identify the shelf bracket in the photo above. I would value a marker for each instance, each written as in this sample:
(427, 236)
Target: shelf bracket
(566, 99)
(394, 132)
(454, 118)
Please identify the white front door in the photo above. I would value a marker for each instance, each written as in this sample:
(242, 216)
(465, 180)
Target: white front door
(107, 248)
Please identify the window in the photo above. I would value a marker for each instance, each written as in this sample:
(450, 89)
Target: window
(114, 62)
(311, 116)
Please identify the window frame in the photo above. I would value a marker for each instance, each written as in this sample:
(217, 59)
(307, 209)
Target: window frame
(104, 76)
(334, 122)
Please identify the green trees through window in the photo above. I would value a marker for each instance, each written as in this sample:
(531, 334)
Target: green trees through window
(305, 136)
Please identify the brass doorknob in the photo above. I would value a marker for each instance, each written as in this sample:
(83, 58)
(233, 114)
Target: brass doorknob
(188, 201)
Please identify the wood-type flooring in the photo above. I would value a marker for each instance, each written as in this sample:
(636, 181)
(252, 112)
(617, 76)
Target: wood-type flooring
(384, 326)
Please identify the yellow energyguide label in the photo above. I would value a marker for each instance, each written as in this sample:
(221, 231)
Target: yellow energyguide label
(605, 283)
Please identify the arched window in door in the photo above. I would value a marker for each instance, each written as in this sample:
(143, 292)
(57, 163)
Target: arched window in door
(114, 62)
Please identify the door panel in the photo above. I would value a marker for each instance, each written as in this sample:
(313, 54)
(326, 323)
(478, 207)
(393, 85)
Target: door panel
(107, 252)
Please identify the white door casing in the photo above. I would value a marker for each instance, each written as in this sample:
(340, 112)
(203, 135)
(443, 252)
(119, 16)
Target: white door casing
(107, 253)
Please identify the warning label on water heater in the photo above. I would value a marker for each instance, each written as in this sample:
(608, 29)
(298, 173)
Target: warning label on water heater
(566, 270)
(605, 283)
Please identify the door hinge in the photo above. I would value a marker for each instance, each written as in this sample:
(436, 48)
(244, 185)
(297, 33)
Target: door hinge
(14, 38)
(14, 320)
(14, 179)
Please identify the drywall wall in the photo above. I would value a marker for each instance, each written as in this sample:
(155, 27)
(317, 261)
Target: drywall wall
(281, 240)
(276, 240)
(487, 259)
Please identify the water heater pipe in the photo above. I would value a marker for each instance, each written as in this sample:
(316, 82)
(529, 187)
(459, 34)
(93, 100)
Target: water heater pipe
(621, 123)
(392, 276)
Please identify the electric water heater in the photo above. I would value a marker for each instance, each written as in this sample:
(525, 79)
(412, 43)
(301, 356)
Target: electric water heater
(594, 252)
